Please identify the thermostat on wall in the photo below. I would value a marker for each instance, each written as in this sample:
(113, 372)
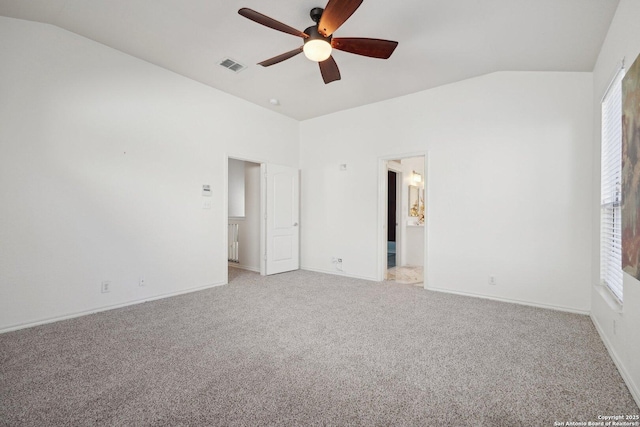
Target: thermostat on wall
(206, 190)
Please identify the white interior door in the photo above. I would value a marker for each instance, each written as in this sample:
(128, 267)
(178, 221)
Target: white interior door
(282, 233)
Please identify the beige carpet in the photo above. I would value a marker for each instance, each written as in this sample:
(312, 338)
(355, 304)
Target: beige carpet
(303, 348)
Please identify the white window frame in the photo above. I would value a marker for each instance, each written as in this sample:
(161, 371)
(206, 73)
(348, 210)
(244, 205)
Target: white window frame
(610, 186)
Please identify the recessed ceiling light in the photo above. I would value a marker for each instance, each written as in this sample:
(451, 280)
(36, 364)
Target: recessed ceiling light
(274, 101)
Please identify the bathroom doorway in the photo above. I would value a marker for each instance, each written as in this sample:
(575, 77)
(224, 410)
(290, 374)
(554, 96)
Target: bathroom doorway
(404, 211)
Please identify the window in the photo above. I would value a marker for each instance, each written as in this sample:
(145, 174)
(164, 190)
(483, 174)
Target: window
(610, 187)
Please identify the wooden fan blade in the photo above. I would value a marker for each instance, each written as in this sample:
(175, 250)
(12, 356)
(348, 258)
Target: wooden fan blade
(329, 70)
(281, 58)
(270, 22)
(374, 48)
(335, 14)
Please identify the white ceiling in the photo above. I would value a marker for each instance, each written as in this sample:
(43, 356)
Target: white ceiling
(440, 41)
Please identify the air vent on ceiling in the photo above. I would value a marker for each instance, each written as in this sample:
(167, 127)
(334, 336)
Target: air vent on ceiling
(232, 65)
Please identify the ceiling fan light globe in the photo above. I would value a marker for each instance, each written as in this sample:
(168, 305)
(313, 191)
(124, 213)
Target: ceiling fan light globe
(317, 50)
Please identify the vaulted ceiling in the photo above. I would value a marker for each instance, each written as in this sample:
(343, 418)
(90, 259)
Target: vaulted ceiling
(440, 42)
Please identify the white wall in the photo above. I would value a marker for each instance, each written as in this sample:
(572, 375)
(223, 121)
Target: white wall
(509, 183)
(102, 162)
(623, 40)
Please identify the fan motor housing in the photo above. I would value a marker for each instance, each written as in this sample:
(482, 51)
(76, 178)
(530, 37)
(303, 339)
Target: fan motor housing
(314, 34)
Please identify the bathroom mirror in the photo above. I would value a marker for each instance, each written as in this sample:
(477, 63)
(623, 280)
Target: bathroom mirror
(414, 201)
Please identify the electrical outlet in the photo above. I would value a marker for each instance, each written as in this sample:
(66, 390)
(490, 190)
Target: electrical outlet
(492, 280)
(142, 282)
(106, 287)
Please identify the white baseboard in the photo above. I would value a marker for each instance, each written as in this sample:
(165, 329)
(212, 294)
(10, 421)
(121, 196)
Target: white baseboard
(244, 267)
(512, 301)
(633, 387)
(106, 308)
(467, 294)
(339, 273)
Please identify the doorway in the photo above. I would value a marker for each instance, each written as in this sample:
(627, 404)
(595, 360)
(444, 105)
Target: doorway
(262, 215)
(404, 217)
(243, 225)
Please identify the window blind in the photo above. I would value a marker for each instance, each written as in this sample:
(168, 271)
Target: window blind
(610, 185)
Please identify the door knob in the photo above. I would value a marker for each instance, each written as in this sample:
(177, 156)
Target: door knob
(295, 224)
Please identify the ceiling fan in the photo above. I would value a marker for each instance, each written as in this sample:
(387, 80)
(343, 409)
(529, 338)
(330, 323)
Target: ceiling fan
(319, 40)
